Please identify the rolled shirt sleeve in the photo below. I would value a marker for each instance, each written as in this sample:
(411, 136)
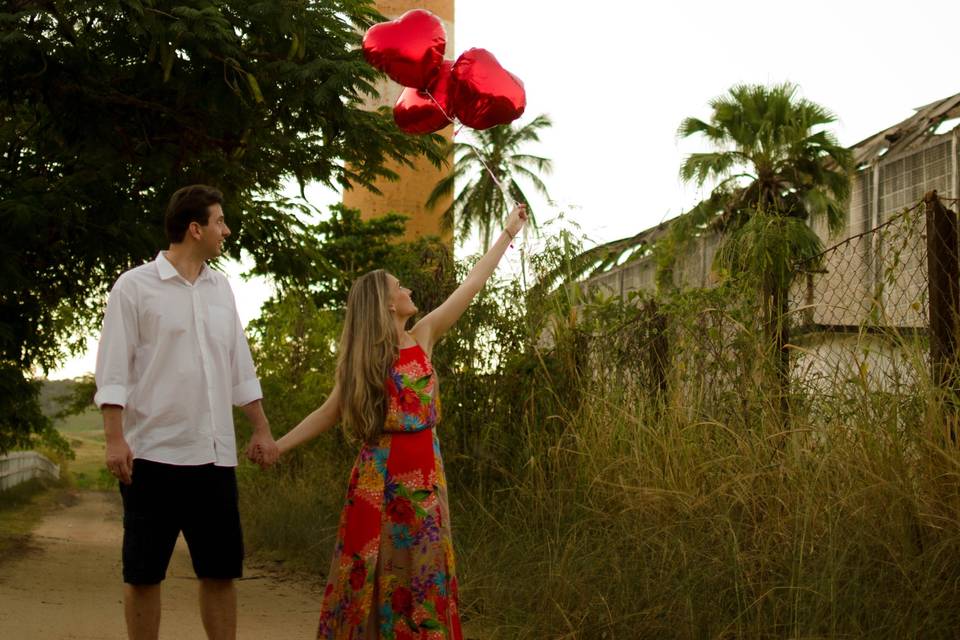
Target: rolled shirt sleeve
(117, 346)
(246, 386)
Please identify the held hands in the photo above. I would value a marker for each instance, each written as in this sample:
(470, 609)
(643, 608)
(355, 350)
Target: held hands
(262, 450)
(516, 220)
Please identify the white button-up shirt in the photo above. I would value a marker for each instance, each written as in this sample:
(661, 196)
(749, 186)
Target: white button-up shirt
(174, 356)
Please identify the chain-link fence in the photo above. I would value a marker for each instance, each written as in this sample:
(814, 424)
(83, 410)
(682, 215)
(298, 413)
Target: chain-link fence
(875, 313)
(860, 312)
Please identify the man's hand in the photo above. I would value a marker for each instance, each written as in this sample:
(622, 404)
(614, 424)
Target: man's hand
(119, 459)
(262, 449)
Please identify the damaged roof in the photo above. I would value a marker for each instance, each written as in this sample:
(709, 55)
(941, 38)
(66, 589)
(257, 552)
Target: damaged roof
(912, 133)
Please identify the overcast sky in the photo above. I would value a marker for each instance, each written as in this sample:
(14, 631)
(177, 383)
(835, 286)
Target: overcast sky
(617, 77)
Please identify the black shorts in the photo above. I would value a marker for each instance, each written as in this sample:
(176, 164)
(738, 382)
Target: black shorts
(165, 499)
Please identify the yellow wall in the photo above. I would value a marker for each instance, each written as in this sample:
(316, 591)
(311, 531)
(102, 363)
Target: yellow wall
(409, 194)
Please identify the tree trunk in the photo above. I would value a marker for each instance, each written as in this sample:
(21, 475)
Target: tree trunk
(778, 332)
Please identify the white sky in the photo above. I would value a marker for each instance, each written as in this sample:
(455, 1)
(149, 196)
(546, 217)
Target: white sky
(617, 77)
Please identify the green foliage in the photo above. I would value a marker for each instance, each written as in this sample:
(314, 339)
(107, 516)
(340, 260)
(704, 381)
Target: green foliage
(23, 424)
(348, 248)
(106, 108)
(772, 152)
(77, 399)
(766, 247)
(294, 343)
(480, 204)
(23, 507)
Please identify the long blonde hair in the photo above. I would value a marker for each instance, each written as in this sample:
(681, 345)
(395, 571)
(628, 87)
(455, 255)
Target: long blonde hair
(368, 348)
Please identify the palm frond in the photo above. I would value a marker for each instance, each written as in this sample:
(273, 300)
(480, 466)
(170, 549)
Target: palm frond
(493, 158)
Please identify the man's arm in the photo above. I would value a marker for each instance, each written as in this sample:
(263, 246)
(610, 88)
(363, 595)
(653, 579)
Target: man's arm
(114, 360)
(247, 395)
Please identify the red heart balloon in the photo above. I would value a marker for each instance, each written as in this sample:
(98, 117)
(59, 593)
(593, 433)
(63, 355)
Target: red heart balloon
(408, 49)
(483, 93)
(417, 112)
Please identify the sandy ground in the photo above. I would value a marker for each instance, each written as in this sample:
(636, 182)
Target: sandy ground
(66, 584)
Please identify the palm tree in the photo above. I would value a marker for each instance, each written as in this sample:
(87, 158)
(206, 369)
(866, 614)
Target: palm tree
(773, 166)
(481, 204)
(771, 153)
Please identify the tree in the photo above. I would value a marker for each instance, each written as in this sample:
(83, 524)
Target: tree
(772, 153)
(481, 204)
(774, 165)
(108, 107)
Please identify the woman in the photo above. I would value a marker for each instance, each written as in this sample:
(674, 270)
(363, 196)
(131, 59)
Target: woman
(392, 573)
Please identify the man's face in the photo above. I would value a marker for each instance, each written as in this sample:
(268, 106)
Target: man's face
(212, 235)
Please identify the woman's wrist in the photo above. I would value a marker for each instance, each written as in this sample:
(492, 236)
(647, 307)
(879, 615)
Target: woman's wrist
(506, 230)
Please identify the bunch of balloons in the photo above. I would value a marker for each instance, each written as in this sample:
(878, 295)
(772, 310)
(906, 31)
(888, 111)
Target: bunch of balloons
(475, 89)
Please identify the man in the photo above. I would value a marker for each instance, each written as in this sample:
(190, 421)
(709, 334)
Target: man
(172, 359)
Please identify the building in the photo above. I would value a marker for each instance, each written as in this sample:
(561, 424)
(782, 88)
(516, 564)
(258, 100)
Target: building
(408, 195)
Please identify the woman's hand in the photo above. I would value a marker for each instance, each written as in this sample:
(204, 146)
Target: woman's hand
(516, 220)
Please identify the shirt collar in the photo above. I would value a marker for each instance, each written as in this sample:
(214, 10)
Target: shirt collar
(166, 270)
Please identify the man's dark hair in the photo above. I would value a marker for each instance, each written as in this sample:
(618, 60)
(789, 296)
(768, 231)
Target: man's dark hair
(189, 204)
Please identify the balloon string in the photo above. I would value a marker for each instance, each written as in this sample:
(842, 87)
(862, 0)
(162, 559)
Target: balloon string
(439, 106)
(511, 203)
(446, 115)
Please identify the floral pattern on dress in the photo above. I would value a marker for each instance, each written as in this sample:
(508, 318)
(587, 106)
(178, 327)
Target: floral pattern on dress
(394, 548)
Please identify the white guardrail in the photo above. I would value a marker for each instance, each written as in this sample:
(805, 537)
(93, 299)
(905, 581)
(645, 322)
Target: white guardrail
(21, 466)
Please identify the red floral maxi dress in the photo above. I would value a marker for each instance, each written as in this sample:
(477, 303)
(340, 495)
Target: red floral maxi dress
(394, 548)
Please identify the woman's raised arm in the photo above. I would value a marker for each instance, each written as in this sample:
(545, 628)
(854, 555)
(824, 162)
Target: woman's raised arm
(436, 323)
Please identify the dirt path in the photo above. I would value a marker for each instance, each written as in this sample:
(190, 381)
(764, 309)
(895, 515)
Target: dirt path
(66, 584)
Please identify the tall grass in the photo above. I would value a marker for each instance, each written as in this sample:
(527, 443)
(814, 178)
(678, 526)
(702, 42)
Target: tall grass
(587, 504)
(636, 525)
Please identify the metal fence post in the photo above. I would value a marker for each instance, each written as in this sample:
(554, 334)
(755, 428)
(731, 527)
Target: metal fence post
(659, 349)
(943, 269)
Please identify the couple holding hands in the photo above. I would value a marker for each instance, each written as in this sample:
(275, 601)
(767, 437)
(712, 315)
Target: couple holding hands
(173, 360)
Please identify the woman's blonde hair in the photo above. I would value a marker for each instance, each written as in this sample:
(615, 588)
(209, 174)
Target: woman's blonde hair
(368, 348)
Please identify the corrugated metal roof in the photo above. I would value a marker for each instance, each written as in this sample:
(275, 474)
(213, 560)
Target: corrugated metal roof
(911, 133)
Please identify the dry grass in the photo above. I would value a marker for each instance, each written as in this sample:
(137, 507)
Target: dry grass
(586, 506)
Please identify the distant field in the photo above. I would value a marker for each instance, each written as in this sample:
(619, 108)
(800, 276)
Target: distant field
(84, 432)
(85, 436)
(89, 420)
